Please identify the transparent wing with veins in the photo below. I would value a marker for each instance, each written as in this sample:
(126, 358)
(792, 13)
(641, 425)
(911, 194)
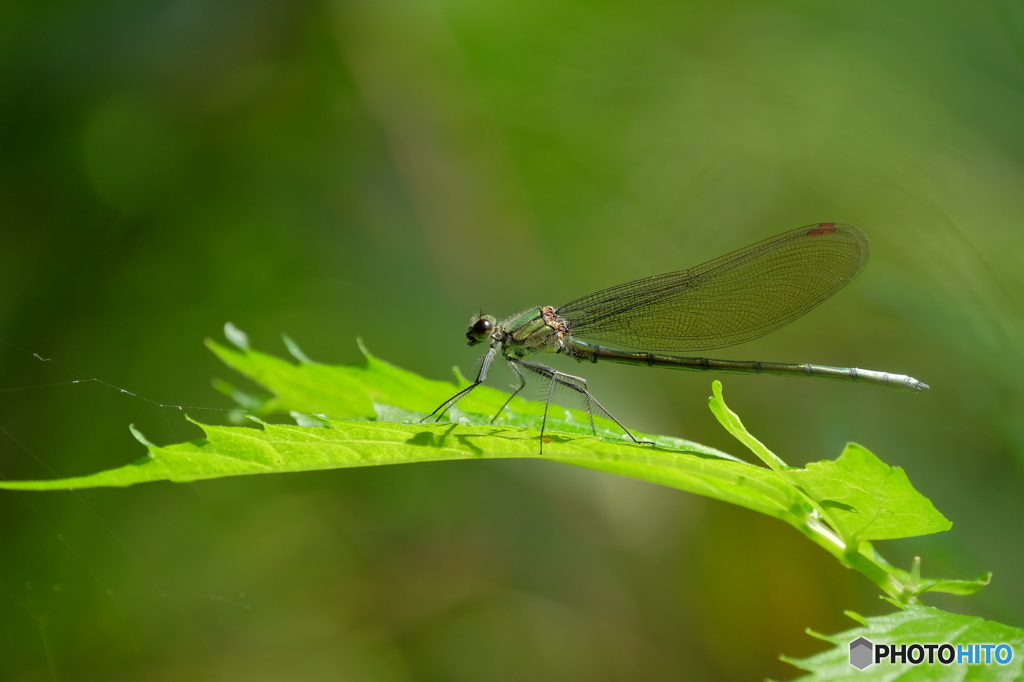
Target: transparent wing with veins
(729, 300)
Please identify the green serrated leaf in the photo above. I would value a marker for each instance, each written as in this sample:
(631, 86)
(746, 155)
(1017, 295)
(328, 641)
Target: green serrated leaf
(960, 587)
(369, 414)
(917, 625)
(863, 498)
(316, 392)
(233, 451)
(345, 391)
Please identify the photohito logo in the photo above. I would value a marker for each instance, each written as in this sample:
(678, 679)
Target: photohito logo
(864, 652)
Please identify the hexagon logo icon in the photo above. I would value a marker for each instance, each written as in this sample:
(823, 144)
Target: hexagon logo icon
(860, 653)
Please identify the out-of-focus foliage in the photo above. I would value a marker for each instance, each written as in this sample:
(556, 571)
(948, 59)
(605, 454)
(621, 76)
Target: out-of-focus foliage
(387, 169)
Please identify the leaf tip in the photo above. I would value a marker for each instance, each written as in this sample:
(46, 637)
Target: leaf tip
(853, 615)
(363, 349)
(716, 402)
(817, 635)
(190, 420)
(460, 378)
(236, 336)
(294, 350)
(139, 437)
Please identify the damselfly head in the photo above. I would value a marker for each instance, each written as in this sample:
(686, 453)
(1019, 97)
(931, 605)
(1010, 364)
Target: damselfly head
(480, 328)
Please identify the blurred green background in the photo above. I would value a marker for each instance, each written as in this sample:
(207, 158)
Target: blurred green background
(387, 169)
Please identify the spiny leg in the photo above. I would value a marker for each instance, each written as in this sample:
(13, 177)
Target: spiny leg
(548, 374)
(547, 406)
(522, 385)
(485, 365)
(608, 414)
(441, 409)
(578, 384)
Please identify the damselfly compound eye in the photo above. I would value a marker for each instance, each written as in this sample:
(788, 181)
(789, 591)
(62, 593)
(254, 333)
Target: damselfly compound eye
(480, 330)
